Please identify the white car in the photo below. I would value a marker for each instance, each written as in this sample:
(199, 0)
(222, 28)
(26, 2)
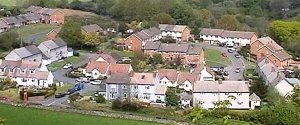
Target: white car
(68, 65)
(96, 82)
(237, 70)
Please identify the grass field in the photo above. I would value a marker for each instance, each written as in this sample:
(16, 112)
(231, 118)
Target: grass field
(59, 64)
(35, 32)
(28, 116)
(214, 58)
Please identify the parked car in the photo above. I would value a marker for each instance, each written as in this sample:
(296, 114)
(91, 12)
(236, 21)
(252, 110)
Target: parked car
(230, 50)
(126, 59)
(225, 73)
(224, 54)
(59, 95)
(83, 79)
(237, 70)
(70, 91)
(237, 56)
(68, 65)
(78, 86)
(96, 82)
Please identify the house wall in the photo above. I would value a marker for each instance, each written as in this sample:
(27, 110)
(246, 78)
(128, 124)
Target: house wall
(166, 81)
(114, 91)
(95, 74)
(13, 56)
(187, 86)
(254, 104)
(229, 41)
(145, 93)
(207, 100)
(57, 17)
(55, 54)
(52, 35)
(162, 98)
(134, 43)
(263, 52)
(206, 76)
(279, 63)
(284, 88)
(186, 34)
(254, 47)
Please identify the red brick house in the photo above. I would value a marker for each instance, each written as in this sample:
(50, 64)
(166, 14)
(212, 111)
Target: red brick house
(48, 15)
(280, 59)
(53, 34)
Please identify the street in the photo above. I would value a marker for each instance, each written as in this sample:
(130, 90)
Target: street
(235, 63)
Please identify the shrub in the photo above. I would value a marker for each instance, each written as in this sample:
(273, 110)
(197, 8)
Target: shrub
(76, 54)
(116, 104)
(130, 106)
(74, 96)
(100, 99)
(49, 93)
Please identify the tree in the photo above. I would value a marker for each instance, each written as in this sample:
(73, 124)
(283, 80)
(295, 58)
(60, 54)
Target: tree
(142, 65)
(2, 121)
(156, 59)
(172, 99)
(100, 99)
(163, 18)
(94, 39)
(285, 31)
(259, 88)
(9, 40)
(196, 114)
(296, 95)
(63, 4)
(228, 22)
(71, 33)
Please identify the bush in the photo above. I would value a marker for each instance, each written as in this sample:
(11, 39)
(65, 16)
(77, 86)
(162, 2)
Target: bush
(130, 106)
(76, 54)
(100, 99)
(74, 96)
(49, 93)
(116, 104)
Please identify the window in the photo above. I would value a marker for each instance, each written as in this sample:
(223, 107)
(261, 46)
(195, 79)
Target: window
(95, 74)
(32, 80)
(22, 71)
(165, 82)
(2, 70)
(11, 70)
(146, 96)
(113, 89)
(31, 71)
(201, 102)
(226, 93)
(125, 95)
(135, 87)
(239, 94)
(136, 96)
(186, 85)
(24, 80)
(124, 87)
(158, 97)
(147, 87)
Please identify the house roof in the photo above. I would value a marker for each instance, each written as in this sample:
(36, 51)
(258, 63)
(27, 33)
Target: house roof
(282, 55)
(152, 45)
(276, 78)
(151, 31)
(214, 32)
(119, 68)
(20, 19)
(102, 67)
(220, 86)
(270, 43)
(31, 16)
(238, 34)
(118, 78)
(53, 44)
(170, 74)
(200, 67)
(254, 97)
(109, 68)
(3, 24)
(92, 28)
(26, 51)
(110, 57)
(172, 28)
(174, 47)
(293, 81)
(186, 76)
(11, 20)
(143, 78)
(186, 96)
(194, 49)
(161, 90)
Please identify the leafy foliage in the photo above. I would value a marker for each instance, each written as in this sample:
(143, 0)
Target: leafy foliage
(296, 96)
(172, 99)
(71, 33)
(99, 99)
(195, 115)
(9, 40)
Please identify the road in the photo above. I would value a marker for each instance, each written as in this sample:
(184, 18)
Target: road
(60, 76)
(235, 63)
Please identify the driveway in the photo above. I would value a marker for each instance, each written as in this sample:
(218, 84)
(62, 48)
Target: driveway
(235, 63)
(60, 76)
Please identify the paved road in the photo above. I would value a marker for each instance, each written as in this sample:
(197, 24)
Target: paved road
(60, 76)
(235, 63)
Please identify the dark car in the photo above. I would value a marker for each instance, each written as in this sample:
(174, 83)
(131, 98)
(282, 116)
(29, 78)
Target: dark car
(70, 91)
(230, 50)
(225, 73)
(237, 56)
(59, 95)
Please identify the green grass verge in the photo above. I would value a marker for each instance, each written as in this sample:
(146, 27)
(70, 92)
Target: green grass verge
(11, 94)
(60, 64)
(214, 58)
(64, 88)
(29, 116)
(35, 32)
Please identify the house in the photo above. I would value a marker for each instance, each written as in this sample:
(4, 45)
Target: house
(280, 59)
(54, 50)
(160, 94)
(48, 15)
(286, 86)
(109, 58)
(118, 87)
(143, 86)
(136, 41)
(186, 80)
(167, 77)
(12, 21)
(92, 28)
(53, 34)
(186, 99)
(255, 101)
(204, 73)
(3, 26)
(177, 32)
(208, 93)
(96, 69)
(26, 73)
(231, 38)
(31, 18)
(188, 53)
(25, 53)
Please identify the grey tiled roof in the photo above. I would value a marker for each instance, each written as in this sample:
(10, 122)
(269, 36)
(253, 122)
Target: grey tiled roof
(10, 20)
(3, 25)
(53, 44)
(27, 51)
(118, 78)
(31, 16)
(221, 86)
(237, 34)
(33, 9)
(152, 31)
(293, 81)
(254, 97)
(174, 47)
(282, 55)
(93, 28)
(214, 32)
(152, 45)
(59, 42)
(194, 49)
(172, 28)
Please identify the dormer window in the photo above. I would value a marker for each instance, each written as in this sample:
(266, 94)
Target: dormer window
(31, 71)
(11, 70)
(1, 70)
(22, 71)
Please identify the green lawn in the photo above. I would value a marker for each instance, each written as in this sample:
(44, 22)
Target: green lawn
(28, 116)
(64, 88)
(214, 58)
(11, 94)
(60, 63)
(35, 32)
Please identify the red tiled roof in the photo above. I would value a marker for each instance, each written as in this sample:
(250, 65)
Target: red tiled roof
(119, 68)
(100, 66)
(171, 74)
(183, 76)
